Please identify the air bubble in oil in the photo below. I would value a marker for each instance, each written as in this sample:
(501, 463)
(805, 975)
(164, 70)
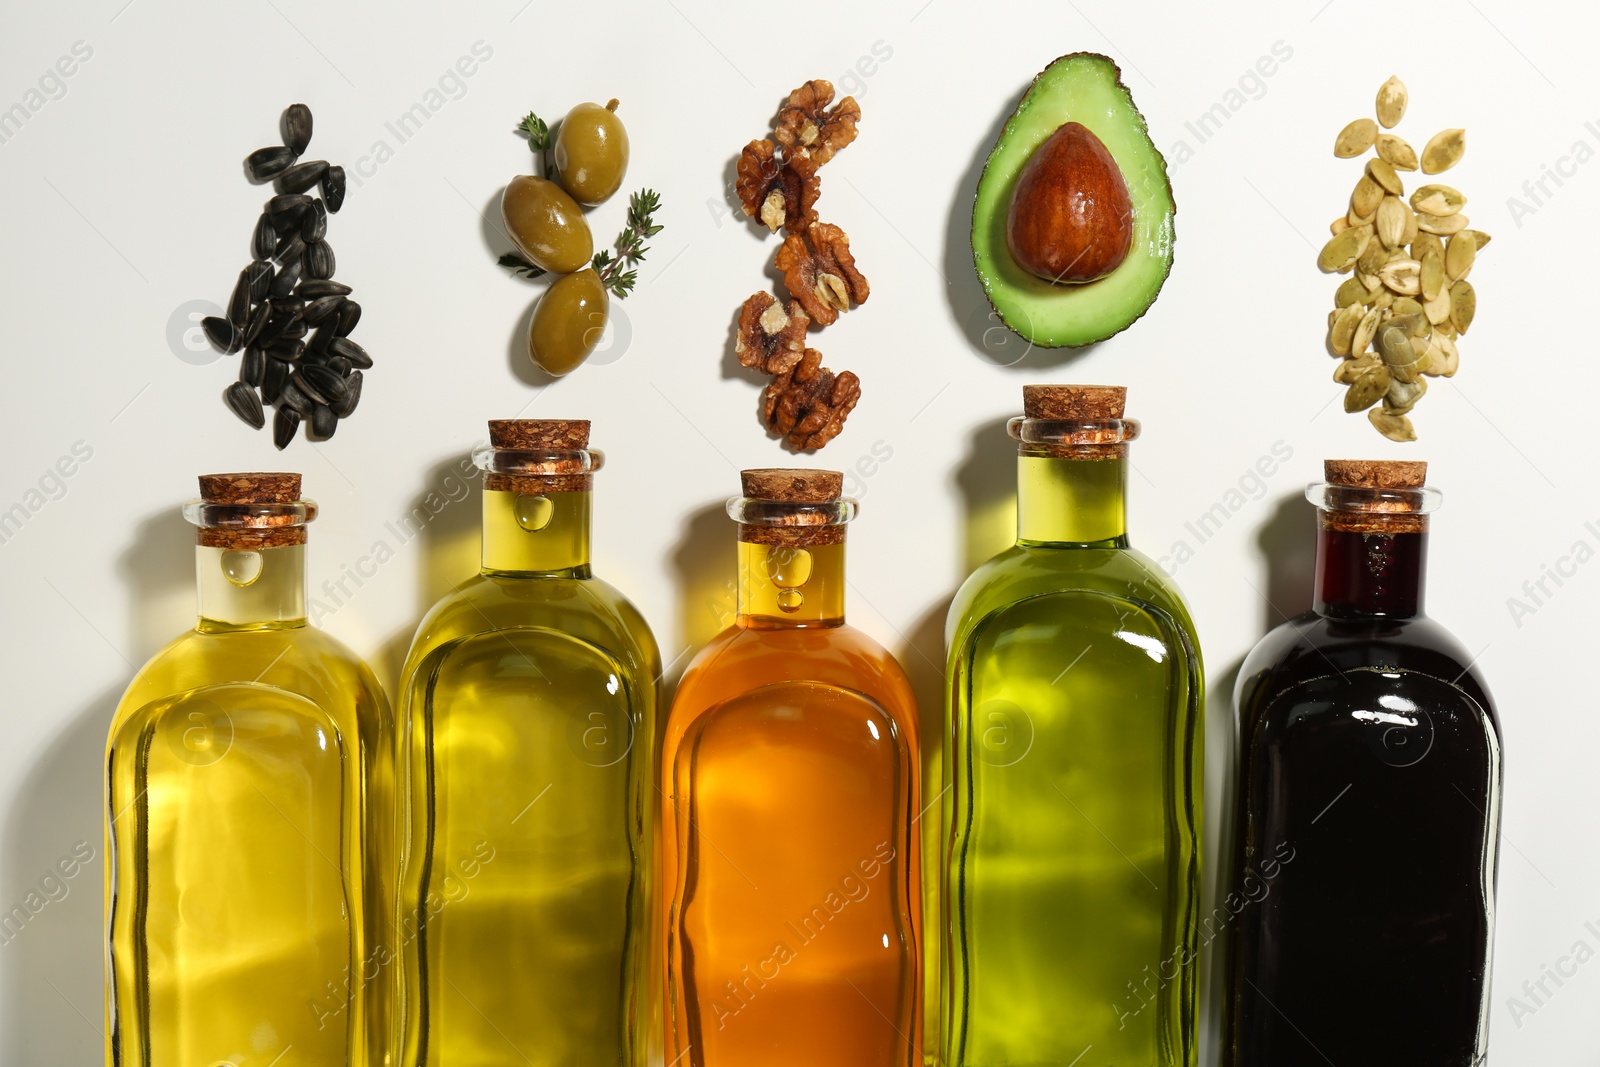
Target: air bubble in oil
(533, 511)
(790, 599)
(241, 566)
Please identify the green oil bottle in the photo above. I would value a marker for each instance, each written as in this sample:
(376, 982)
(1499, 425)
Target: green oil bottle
(1071, 883)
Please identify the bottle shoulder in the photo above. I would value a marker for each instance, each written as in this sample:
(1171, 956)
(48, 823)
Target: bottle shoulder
(587, 609)
(1023, 572)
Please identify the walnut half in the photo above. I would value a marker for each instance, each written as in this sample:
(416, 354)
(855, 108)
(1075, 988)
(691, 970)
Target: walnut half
(808, 405)
(807, 122)
(821, 273)
(781, 194)
(770, 338)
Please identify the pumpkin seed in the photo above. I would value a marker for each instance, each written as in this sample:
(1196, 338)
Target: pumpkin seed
(1394, 427)
(1366, 198)
(1367, 387)
(1459, 255)
(1344, 328)
(1443, 151)
(1432, 275)
(1350, 291)
(1392, 217)
(1443, 357)
(1441, 224)
(1343, 249)
(1438, 309)
(1364, 331)
(1463, 305)
(1404, 307)
(1438, 199)
(1396, 152)
(1403, 276)
(1349, 370)
(1392, 99)
(1403, 396)
(1340, 223)
(1381, 172)
(1355, 138)
(1354, 218)
(1394, 345)
(1479, 238)
(1424, 243)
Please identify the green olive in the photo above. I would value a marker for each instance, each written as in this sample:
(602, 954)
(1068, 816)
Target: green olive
(592, 152)
(568, 323)
(546, 225)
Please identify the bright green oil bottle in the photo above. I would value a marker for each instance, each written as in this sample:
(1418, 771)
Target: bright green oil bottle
(1071, 890)
(528, 732)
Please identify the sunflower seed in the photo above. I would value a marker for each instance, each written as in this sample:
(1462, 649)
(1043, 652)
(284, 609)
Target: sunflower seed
(1443, 151)
(1443, 225)
(260, 274)
(302, 176)
(352, 396)
(317, 346)
(265, 238)
(1382, 173)
(312, 288)
(1392, 99)
(276, 326)
(1355, 138)
(1396, 152)
(288, 277)
(333, 188)
(285, 424)
(253, 367)
(349, 315)
(295, 330)
(340, 365)
(243, 402)
(289, 249)
(296, 127)
(292, 397)
(264, 164)
(288, 205)
(221, 333)
(1394, 427)
(239, 301)
(321, 308)
(319, 260)
(323, 423)
(1459, 255)
(258, 322)
(327, 383)
(288, 351)
(273, 381)
(1463, 305)
(314, 227)
(343, 346)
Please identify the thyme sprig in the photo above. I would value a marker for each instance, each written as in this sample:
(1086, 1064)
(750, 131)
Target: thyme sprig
(616, 271)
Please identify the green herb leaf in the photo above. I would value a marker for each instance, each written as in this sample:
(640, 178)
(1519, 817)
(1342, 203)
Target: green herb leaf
(534, 129)
(630, 245)
(521, 266)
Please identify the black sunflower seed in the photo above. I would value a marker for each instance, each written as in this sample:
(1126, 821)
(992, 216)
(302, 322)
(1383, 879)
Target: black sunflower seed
(253, 368)
(296, 127)
(314, 227)
(272, 383)
(288, 351)
(284, 426)
(287, 209)
(318, 343)
(323, 423)
(340, 365)
(326, 381)
(221, 333)
(333, 188)
(288, 305)
(292, 397)
(319, 260)
(290, 248)
(276, 324)
(349, 315)
(352, 395)
(312, 288)
(288, 277)
(239, 302)
(265, 239)
(302, 176)
(242, 400)
(343, 346)
(299, 382)
(265, 164)
(321, 308)
(258, 322)
(294, 331)
(260, 272)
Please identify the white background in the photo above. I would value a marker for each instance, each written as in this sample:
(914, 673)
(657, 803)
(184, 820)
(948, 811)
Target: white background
(124, 200)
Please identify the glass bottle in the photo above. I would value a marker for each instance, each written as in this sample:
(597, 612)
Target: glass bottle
(1369, 799)
(250, 818)
(790, 840)
(528, 730)
(1071, 864)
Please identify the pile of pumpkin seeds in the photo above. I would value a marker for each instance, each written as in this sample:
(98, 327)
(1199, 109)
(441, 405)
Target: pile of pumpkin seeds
(1398, 318)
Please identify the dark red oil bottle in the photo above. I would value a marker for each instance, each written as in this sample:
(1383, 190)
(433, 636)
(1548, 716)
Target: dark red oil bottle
(1369, 807)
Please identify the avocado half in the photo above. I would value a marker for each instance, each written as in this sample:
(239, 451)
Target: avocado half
(1083, 87)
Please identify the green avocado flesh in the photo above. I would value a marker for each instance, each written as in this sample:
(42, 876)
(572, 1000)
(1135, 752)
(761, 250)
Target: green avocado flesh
(1086, 88)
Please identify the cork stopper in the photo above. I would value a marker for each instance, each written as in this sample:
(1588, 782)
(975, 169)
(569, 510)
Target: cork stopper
(1074, 403)
(1375, 473)
(799, 485)
(252, 488)
(541, 435)
(796, 485)
(1402, 514)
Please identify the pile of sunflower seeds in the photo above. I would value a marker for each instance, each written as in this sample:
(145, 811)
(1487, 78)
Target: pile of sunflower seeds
(287, 315)
(1397, 320)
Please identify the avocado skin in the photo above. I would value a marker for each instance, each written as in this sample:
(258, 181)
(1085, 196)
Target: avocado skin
(1042, 336)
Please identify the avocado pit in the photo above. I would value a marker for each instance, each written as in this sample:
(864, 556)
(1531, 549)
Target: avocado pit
(1071, 219)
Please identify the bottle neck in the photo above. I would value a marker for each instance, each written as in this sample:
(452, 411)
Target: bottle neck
(541, 533)
(1370, 574)
(1072, 501)
(250, 589)
(782, 586)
